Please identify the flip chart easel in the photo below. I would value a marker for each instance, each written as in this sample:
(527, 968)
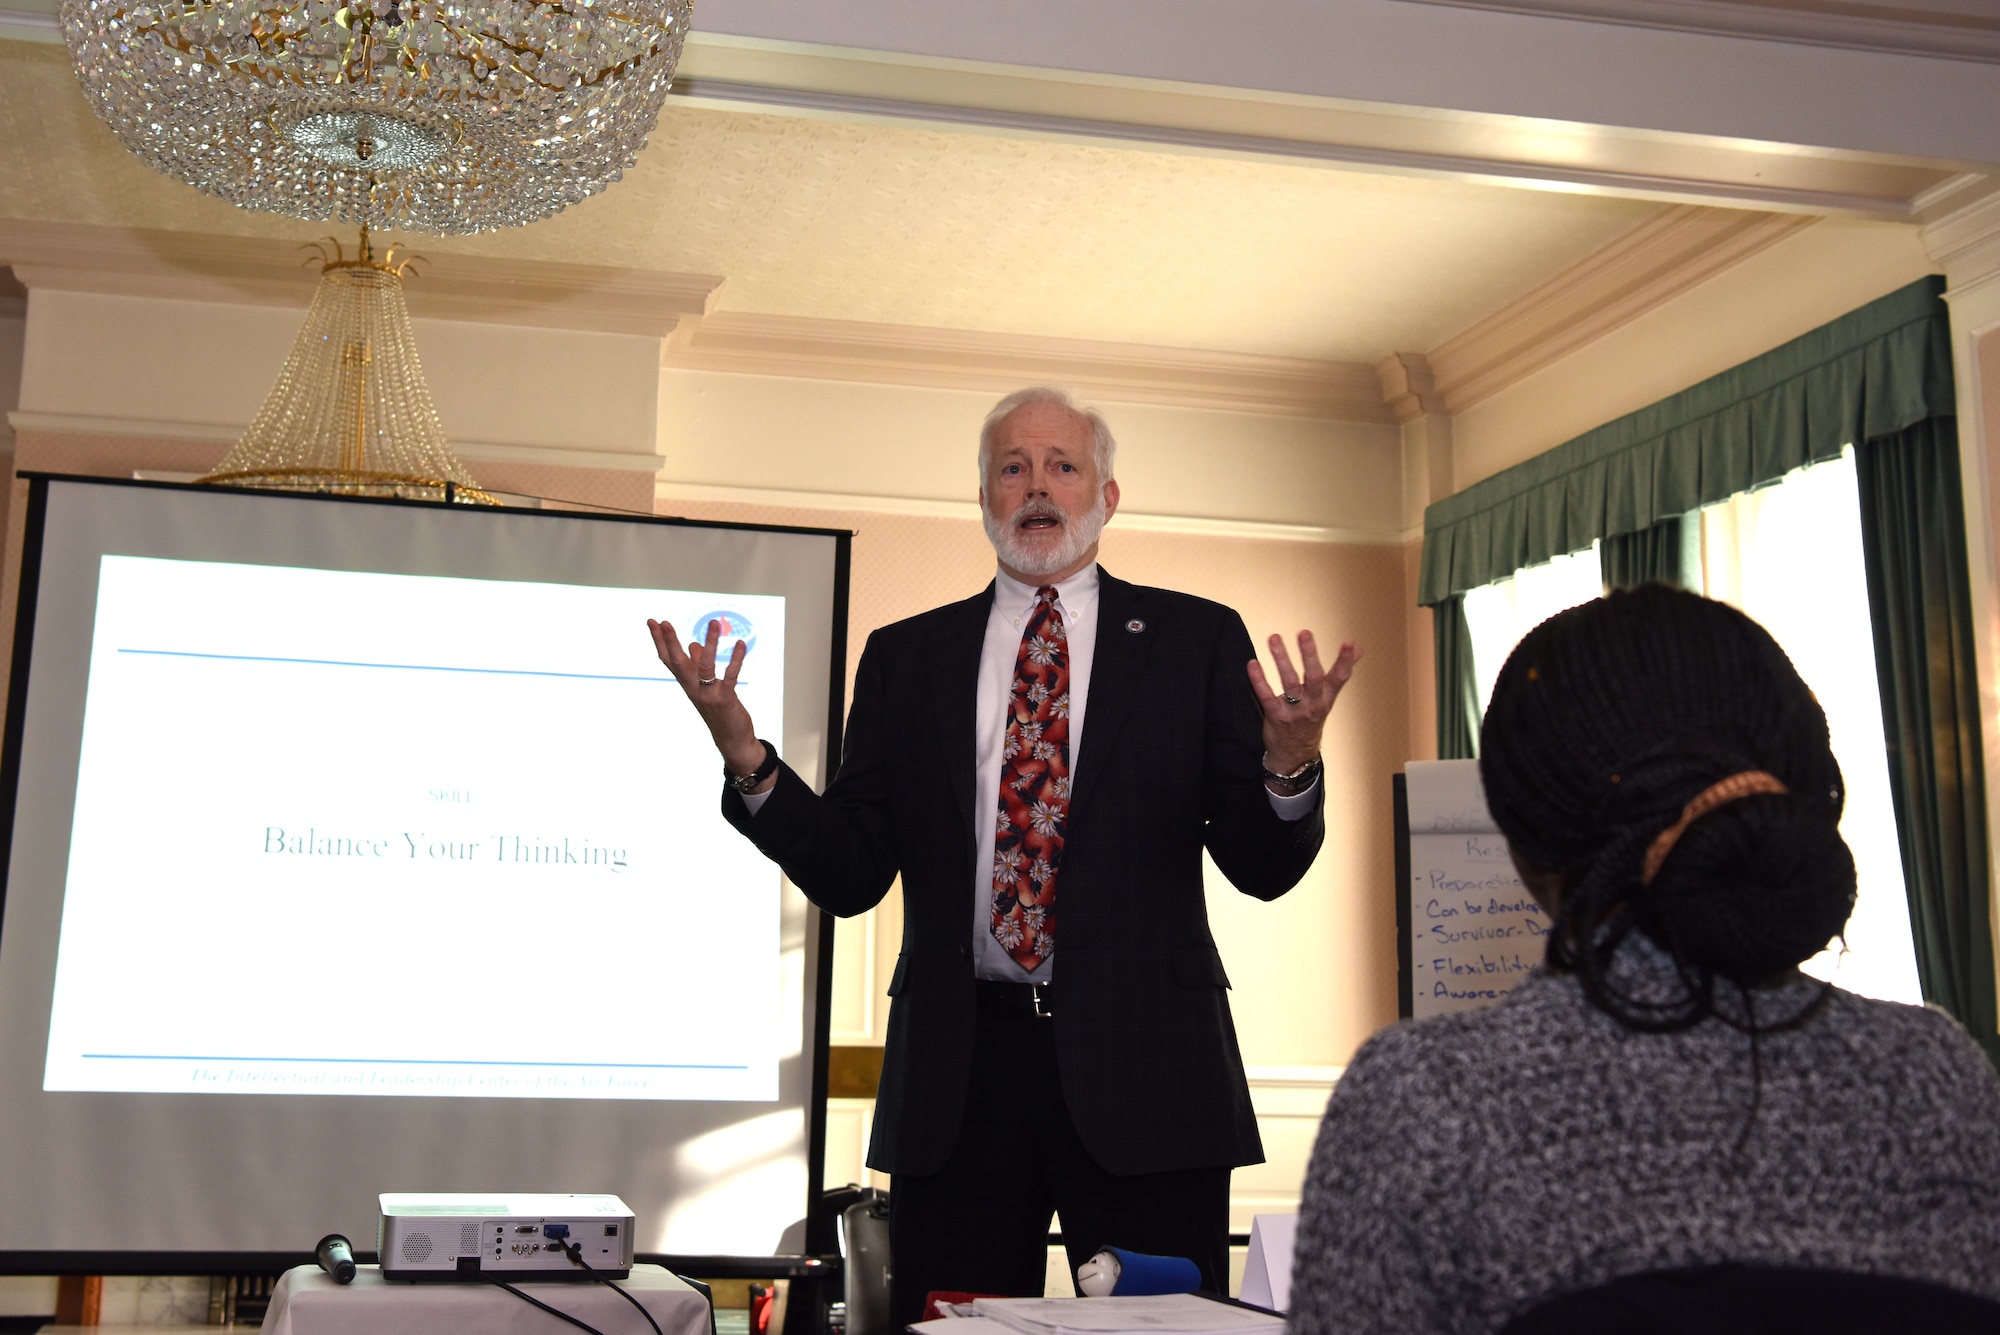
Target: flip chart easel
(1467, 930)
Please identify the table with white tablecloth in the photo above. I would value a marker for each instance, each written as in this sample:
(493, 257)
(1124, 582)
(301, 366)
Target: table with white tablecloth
(308, 1302)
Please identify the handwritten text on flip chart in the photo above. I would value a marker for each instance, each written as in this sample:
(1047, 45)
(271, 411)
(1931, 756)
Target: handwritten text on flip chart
(1475, 931)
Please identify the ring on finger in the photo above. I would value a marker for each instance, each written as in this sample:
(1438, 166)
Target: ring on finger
(705, 681)
(1292, 700)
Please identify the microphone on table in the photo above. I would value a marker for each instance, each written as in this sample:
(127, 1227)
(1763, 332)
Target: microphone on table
(1117, 1273)
(335, 1255)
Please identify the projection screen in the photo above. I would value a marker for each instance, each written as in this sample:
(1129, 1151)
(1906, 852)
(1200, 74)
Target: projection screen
(364, 846)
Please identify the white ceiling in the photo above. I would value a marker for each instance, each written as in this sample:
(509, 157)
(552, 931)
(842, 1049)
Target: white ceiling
(900, 224)
(823, 212)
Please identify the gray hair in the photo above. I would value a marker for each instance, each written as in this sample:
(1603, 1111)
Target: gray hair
(1103, 448)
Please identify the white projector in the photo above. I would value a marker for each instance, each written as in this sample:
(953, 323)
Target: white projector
(460, 1235)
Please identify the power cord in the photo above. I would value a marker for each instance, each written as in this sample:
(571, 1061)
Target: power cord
(574, 1251)
(497, 1282)
(575, 1254)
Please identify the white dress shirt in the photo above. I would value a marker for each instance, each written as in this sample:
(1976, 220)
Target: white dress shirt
(1076, 600)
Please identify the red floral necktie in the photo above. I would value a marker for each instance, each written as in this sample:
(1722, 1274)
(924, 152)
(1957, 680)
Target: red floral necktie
(1034, 789)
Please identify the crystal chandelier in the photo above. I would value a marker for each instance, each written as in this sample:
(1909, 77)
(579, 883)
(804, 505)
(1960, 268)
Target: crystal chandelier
(351, 412)
(430, 115)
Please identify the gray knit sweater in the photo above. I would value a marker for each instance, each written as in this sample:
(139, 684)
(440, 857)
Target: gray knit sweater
(1472, 1165)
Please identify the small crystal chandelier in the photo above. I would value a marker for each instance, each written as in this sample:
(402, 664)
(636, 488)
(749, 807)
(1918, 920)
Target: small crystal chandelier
(351, 412)
(430, 115)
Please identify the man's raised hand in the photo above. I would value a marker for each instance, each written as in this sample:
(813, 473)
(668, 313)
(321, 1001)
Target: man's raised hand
(1295, 715)
(713, 695)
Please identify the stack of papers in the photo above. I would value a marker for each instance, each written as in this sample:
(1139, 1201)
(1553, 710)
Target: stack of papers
(1165, 1314)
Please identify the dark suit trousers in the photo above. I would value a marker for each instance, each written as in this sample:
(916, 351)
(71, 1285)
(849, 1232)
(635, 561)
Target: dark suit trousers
(981, 1223)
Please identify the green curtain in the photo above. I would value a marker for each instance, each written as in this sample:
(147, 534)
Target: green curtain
(1920, 605)
(1458, 705)
(1866, 376)
(1653, 555)
(1879, 378)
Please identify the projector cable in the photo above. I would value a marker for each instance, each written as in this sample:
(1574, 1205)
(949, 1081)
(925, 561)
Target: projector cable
(574, 1251)
(497, 1282)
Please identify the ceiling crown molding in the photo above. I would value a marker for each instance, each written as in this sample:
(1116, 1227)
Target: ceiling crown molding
(1644, 269)
(1965, 242)
(1961, 221)
(1652, 264)
(997, 363)
(227, 433)
(1647, 267)
(1409, 386)
(19, 25)
(265, 271)
(1902, 27)
(788, 78)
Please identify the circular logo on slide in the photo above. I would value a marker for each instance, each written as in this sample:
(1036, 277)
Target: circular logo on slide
(735, 626)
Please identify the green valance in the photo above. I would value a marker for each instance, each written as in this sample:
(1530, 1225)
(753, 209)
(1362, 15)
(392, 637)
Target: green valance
(1873, 372)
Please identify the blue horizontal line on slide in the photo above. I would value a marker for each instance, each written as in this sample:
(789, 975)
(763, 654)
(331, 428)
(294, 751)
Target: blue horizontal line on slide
(394, 667)
(404, 1061)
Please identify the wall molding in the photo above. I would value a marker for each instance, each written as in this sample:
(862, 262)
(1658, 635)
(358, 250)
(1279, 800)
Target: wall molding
(1909, 30)
(1289, 1102)
(812, 349)
(1291, 1091)
(667, 492)
(1279, 1095)
(1637, 273)
(265, 271)
(225, 435)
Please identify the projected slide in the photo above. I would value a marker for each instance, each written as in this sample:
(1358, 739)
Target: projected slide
(371, 834)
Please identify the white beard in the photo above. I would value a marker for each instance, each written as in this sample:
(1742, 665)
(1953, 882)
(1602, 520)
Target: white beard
(1038, 560)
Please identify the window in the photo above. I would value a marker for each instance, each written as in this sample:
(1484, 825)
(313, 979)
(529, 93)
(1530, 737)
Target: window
(1789, 555)
(1500, 614)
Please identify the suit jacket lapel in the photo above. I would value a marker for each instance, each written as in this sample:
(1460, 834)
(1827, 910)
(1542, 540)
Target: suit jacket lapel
(957, 701)
(1116, 664)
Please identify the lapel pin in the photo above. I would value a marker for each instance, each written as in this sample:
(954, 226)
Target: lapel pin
(1135, 625)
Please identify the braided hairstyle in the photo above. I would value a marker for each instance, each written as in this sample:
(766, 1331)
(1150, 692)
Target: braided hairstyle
(1605, 722)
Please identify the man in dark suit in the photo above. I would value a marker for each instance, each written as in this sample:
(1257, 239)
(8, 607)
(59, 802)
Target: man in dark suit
(1044, 765)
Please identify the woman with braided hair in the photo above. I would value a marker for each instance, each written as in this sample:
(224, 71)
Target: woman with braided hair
(1665, 1126)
